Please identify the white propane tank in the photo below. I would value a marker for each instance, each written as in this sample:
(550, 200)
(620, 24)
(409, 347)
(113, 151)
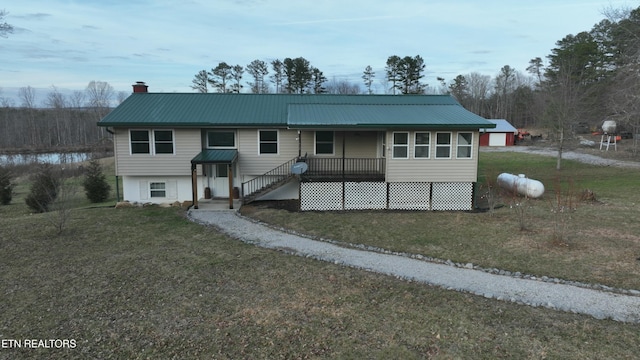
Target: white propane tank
(521, 184)
(609, 127)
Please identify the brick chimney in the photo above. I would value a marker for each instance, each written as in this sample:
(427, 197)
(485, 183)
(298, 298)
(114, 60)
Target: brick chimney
(140, 87)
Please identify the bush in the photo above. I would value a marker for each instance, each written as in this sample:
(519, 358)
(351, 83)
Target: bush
(95, 183)
(6, 187)
(44, 189)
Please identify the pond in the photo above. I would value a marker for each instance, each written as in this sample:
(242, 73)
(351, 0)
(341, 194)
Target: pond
(50, 158)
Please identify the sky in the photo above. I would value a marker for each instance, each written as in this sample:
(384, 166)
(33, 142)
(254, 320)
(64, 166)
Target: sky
(68, 43)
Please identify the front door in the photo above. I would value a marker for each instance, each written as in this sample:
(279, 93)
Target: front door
(221, 180)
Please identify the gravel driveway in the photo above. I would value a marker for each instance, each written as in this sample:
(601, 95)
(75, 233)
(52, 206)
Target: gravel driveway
(532, 292)
(567, 155)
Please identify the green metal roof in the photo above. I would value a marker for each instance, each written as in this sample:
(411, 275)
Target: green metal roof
(224, 156)
(288, 110)
(388, 116)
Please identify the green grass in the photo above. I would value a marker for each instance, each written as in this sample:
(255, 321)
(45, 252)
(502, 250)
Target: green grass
(146, 283)
(598, 242)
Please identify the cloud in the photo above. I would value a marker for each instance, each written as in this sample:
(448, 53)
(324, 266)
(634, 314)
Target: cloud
(34, 16)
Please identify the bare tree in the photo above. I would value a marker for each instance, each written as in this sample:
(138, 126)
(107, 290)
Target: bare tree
(28, 97)
(200, 82)
(344, 87)
(478, 86)
(100, 94)
(122, 96)
(5, 28)
(58, 103)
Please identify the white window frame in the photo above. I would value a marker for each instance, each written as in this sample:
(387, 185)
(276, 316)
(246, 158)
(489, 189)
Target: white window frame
(277, 142)
(394, 145)
(131, 142)
(333, 143)
(469, 146)
(152, 142)
(416, 145)
(235, 139)
(440, 146)
(173, 142)
(163, 190)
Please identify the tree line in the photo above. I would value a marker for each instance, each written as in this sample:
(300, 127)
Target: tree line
(66, 122)
(298, 76)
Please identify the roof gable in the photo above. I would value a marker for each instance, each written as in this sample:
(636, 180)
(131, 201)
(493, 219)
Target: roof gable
(289, 110)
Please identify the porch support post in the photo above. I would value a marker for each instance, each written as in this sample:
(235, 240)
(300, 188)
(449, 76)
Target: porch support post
(194, 185)
(343, 147)
(230, 173)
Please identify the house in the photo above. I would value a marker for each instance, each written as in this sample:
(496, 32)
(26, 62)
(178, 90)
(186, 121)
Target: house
(503, 134)
(329, 152)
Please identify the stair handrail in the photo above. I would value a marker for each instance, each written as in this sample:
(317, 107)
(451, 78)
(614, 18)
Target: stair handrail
(272, 176)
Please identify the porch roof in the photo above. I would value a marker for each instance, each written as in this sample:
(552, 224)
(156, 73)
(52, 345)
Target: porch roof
(432, 116)
(211, 156)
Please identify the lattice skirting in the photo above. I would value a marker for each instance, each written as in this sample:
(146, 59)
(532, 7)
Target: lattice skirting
(452, 196)
(410, 196)
(322, 196)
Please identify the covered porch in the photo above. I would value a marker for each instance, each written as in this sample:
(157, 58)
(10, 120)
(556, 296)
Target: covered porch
(225, 157)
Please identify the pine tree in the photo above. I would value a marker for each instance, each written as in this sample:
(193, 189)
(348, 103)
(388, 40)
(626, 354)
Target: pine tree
(6, 187)
(44, 189)
(95, 183)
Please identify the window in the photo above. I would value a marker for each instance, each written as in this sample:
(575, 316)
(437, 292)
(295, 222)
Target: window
(163, 141)
(400, 145)
(421, 146)
(222, 170)
(268, 141)
(464, 145)
(226, 139)
(157, 189)
(140, 142)
(443, 145)
(324, 142)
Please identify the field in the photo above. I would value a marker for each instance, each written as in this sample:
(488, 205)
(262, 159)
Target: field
(147, 283)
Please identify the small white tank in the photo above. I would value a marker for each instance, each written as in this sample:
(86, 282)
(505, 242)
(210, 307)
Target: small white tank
(521, 184)
(609, 127)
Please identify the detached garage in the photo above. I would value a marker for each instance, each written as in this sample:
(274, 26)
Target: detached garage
(503, 134)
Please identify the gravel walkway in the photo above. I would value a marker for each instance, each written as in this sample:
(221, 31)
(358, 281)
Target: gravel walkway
(569, 298)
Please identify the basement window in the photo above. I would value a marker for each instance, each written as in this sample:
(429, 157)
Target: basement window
(157, 189)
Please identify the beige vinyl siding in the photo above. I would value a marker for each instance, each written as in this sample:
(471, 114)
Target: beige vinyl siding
(187, 144)
(253, 163)
(432, 169)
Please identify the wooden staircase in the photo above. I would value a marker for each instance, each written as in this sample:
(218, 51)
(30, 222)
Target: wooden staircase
(269, 181)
